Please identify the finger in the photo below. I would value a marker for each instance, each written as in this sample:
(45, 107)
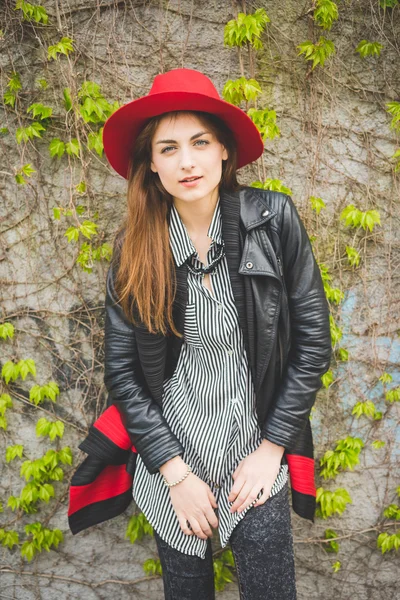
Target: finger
(237, 471)
(266, 491)
(184, 523)
(235, 489)
(212, 499)
(251, 497)
(205, 526)
(197, 530)
(241, 498)
(211, 517)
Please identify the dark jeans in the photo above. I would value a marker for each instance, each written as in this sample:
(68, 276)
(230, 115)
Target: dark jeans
(262, 547)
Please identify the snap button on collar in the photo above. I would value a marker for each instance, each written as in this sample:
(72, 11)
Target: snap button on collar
(265, 213)
(249, 265)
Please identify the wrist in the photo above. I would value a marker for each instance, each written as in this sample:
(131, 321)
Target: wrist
(272, 447)
(174, 468)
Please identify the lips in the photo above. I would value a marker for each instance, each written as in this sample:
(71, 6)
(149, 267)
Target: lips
(190, 179)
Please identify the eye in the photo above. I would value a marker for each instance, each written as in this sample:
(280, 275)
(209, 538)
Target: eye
(166, 148)
(201, 142)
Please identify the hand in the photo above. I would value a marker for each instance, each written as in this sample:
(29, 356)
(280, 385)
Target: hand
(256, 471)
(194, 501)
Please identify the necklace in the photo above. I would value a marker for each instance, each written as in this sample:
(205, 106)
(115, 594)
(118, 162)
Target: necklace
(211, 267)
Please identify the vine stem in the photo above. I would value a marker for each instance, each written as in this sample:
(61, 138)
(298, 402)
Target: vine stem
(79, 581)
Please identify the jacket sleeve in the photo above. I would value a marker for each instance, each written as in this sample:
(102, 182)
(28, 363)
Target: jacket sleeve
(123, 378)
(311, 345)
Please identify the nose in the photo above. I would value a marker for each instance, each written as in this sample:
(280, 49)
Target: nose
(187, 159)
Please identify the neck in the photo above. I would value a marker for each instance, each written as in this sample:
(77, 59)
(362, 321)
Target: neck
(197, 215)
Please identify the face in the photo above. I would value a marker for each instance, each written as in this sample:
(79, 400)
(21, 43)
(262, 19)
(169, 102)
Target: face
(183, 147)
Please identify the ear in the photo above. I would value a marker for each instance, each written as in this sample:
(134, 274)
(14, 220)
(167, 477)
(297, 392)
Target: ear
(224, 154)
(152, 167)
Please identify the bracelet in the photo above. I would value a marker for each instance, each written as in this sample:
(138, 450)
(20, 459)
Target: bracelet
(179, 480)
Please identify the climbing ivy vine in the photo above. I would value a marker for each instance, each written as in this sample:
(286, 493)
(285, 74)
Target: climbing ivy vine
(72, 130)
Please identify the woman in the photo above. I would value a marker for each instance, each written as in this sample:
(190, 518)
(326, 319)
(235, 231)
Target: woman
(183, 356)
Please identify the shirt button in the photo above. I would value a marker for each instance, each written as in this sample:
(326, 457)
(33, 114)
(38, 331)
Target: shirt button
(230, 352)
(234, 400)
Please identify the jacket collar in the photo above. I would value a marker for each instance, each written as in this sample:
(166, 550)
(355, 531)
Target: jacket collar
(255, 209)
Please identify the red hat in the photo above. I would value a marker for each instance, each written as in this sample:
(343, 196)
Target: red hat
(178, 89)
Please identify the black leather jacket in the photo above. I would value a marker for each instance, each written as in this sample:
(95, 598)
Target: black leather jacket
(283, 312)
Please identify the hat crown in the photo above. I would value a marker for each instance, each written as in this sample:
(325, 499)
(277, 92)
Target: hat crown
(183, 80)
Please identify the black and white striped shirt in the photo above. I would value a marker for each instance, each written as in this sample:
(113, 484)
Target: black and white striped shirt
(209, 402)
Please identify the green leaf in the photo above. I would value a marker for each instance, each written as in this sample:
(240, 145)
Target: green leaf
(13, 452)
(393, 395)
(246, 29)
(265, 121)
(386, 378)
(95, 141)
(6, 330)
(353, 256)
(38, 109)
(14, 83)
(27, 366)
(35, 394)
(318, 52)
(9, 371)
(56, 429)
(378, 444)
(81, 187)
(366, 408)
(366, 48)
(317, 204)
(241, 90)
(65, 455)
(9, 539)
(88, 229)
(28, 550)
(51, 391)
(72, 234)
(64, 46)
(73, 147)
(352, 215)
(56, 147)
(325, 13)
(343, 354)
(42, 427)
(67, 99)
(327, 378)
(272, 184)
(46, 491)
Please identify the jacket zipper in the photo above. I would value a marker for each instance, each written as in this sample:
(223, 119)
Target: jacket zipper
(279, 261)
(278, 258)
(280, 353)
(280, 265)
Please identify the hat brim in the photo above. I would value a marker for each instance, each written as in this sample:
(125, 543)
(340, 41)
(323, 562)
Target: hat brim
(122, 127)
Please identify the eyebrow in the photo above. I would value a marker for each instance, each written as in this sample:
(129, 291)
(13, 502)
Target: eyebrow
(196, 135)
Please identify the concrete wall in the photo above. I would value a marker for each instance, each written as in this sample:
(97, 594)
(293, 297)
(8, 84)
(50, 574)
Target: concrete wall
(335, 143)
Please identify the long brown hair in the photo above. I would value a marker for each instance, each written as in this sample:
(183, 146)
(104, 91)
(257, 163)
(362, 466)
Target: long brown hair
(145, 281)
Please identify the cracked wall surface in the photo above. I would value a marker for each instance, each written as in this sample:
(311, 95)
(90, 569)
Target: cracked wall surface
(335, 143)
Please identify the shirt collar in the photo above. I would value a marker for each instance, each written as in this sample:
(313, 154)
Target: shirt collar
(180, 242)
